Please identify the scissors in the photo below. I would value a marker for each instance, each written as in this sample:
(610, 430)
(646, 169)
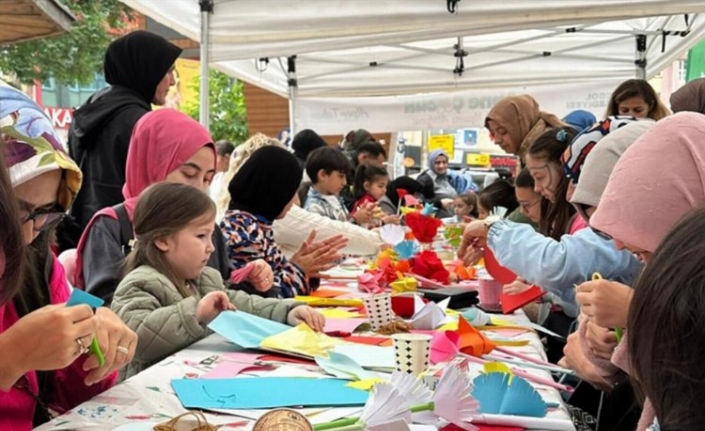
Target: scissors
(618, 331)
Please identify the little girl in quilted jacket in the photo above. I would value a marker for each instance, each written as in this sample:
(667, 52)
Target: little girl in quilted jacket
(169, 294)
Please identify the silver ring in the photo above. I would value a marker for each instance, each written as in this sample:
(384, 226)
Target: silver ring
(123, 350)
(82, 349)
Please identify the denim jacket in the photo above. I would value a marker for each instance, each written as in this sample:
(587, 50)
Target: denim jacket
(319, 204)
(557, 266)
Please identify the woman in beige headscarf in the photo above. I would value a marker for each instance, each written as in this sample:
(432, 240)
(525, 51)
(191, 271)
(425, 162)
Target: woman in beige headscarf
(291, 231)
(516, 121)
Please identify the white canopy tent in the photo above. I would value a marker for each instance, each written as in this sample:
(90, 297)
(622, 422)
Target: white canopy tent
(323, 49)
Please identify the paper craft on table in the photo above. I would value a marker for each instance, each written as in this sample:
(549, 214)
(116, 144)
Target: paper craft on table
(239, 275)
(265, 393)
(328, 292)
(343, 367)
(340, 313)
(343, 325)
(429, 316)
(301, 340)
(245, 330)
(370, 282)
(511, 303)
(503, 393)
(370, 357)
(392, 234)
(406, 249)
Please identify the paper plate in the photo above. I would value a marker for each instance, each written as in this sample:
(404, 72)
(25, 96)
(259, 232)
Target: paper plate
(137, 426)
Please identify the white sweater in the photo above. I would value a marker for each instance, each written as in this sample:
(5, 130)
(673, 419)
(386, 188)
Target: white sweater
(291, 231)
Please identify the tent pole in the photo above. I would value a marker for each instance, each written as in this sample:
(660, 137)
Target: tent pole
(206, 10)
(293, 85)
(641, 56)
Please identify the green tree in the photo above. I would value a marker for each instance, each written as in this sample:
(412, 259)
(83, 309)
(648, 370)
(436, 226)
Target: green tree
(73, 57)
(228, 116)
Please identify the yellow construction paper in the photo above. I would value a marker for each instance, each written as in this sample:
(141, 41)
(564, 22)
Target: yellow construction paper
(364, 385)
(405, 284)
(499, 322)
(301, 340)
(329, 302)
(407, 210)
(339, 313)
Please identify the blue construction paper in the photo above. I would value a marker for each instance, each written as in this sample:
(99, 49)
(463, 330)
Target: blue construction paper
(245, 330)
(266, 393)
(79, 297)
(497, 396)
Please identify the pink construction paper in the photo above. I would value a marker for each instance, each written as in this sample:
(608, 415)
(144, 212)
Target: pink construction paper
(444, 346)
(343, 325)
(370, 283)
(241, 274)
(233, 364)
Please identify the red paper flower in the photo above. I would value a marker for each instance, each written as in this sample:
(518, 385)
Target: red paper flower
(423, 227)
(428, 264)
(402, 193)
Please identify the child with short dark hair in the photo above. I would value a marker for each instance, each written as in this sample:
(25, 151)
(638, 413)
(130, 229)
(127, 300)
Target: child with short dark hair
(498, 194)
(169, 295)
(327, 168)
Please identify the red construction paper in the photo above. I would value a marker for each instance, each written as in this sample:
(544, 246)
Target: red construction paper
(497, 271)
(511, 303)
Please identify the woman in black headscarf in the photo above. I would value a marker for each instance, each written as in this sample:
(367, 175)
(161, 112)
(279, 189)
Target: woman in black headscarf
(139, 68)
(263, 190)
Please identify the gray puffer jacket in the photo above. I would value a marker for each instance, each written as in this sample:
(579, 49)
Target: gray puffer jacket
(165, 321)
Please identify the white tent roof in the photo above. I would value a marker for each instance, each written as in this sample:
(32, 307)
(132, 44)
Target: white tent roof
(386, 48)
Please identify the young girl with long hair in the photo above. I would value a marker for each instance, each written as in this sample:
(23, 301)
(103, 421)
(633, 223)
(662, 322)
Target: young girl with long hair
(169, 294)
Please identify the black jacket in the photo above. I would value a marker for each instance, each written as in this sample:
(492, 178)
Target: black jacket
(98, 141)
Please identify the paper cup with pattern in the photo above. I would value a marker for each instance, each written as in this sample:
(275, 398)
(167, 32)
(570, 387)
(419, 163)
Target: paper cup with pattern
(412, 352)
(379, 310)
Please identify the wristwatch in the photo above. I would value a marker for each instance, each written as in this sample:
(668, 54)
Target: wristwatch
(489, 221)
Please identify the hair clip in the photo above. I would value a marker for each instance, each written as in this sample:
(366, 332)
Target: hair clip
(562, 135)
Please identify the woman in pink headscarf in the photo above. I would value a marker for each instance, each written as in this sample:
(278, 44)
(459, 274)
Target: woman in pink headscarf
(166, 145)
(646, 195)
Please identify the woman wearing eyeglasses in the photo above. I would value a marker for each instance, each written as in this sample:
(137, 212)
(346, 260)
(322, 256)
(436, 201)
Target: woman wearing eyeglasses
(45, 365)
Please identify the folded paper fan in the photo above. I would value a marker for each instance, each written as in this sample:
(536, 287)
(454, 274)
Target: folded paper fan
(511, 303)
(505, 394)
(444, 346)
(392, 234)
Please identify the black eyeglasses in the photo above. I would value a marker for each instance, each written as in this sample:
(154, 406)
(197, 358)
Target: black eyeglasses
(43, 219)
(602, 234)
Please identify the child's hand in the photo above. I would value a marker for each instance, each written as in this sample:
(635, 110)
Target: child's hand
(365, 213)
(210, 306)
(391, 219)
(447, 203)
(262, 276)
(307, 315)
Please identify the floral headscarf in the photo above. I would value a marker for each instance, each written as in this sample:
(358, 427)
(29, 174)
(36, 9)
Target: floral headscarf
(32, 146)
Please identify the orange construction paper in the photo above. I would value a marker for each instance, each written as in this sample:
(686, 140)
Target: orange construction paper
(372, 341)
(324, 292)
(471, 341)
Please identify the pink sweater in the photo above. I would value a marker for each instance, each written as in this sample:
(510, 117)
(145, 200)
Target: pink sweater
(16, 406)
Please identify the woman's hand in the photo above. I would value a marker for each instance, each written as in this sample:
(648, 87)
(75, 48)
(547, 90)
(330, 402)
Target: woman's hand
(601, 341)
(474, 237)
(604, 302)
(515, 287)
(575, 360)
(261, 277)
(116, 341)
(307, 315)
(316, 257)
(210, 306)
(447, 203)
(46, 339)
